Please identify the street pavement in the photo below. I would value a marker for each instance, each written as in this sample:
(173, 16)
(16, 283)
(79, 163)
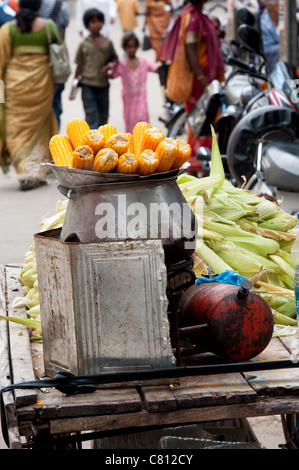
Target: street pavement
(21, 211)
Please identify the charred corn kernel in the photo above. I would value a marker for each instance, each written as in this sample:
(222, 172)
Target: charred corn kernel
(127, 163)
(184, 153)
(119, 143)
(129, 136)
(83, 157)
(94, 139)
(138, 132)
(75, 129)
(61, 150)
(151, 139)
(105, 160)
(148, 162)
(167, 152)
(107, 130)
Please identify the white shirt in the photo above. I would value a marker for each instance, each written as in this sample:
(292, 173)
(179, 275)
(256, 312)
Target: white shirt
(108, 7)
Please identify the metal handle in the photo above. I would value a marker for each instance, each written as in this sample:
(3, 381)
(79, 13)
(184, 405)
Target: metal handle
(69, 193)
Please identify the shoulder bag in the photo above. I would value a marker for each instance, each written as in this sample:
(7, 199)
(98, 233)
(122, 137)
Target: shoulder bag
(180, 76)
(58, 56)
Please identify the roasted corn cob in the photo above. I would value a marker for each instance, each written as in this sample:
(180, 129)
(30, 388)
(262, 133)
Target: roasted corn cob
(75, 129)
(105, 161)
(94, 139)
(127, 163)
(151, 138)
(167, 152)
(61, 150)
(148, 162)
(130, 139)
(138, 133)
(119, 143)
(83, 157)
(107, 130)
(184, 153)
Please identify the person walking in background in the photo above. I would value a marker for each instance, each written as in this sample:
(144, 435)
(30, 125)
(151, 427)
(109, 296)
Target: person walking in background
(95, 56)
(270, 34)
(157, 18)
(27, 120)
(58, 11)
(107, 7)
(133, 72)
(199, 37)
(127, 11)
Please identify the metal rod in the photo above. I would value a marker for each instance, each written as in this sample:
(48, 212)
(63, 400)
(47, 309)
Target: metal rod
(192, 329)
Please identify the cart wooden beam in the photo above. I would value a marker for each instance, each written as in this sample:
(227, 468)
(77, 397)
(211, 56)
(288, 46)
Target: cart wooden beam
(47, 413)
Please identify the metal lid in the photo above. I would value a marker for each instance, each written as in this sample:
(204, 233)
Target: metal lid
(72, 177)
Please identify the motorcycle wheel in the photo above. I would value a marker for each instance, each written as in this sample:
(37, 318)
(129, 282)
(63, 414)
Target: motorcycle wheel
(178, 129)
(268, 124)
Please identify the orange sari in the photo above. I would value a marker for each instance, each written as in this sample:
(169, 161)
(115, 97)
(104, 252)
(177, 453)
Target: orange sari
(157, 21)
(211, 61)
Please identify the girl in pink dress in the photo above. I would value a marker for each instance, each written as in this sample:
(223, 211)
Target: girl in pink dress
(133, 72)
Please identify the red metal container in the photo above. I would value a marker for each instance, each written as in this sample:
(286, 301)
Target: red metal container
(227, 320)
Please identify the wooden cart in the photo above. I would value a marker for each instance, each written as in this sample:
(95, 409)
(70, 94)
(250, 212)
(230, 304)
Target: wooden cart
(47, 417)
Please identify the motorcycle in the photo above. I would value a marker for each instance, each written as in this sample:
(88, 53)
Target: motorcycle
(263, 148)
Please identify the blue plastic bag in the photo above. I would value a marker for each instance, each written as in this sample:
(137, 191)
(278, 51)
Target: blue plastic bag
(227, 277)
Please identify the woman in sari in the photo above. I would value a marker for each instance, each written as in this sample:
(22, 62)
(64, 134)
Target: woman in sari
(27, 121)
(158, 14)
(204, 56)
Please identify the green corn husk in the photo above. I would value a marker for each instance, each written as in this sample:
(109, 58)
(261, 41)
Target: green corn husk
(24, 321)
(211, 258)
(282, 304)
(20, 302)
(288, 272)
(200, 267)
(281, 330)
(244, 261)
(253, 227)
(228, 211)
(279, 223)
(232, 232)
(266, 209)
(241, 231)
(287, 257)
(283, 319)
(33, 312)
(192, 188)
(56, 221)
(286, 245)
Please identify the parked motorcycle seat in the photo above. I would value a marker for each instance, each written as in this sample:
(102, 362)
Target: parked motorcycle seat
(271, 123)
(235, 87)
(280, 165)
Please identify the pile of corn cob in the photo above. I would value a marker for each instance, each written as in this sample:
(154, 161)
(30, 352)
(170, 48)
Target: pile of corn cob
(143, 152)
(243, 232)
(238, 231)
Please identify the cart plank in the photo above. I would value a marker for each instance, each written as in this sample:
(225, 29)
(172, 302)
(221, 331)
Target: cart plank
(5, 374)
(277, 382)
(20, 351)
(183, 416)
(52, 404)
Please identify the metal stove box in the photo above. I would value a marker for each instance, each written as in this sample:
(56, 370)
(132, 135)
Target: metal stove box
(103, 305)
